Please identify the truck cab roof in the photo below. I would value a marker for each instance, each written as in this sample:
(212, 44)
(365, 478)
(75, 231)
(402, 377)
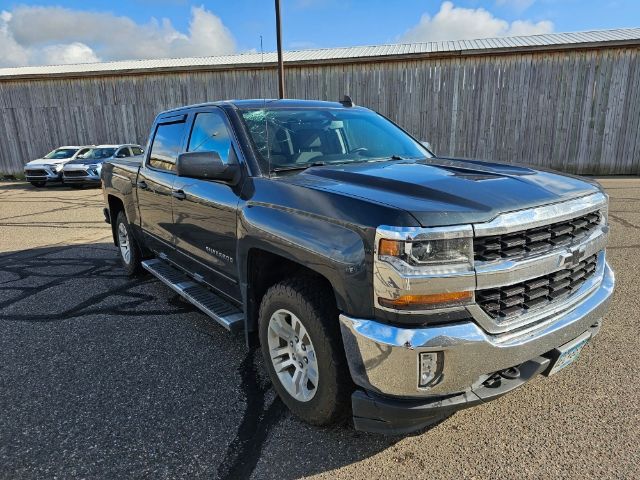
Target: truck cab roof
(257, 103)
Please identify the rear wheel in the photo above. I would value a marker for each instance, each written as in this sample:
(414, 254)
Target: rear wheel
(302, 349)
(128, 247)
(38, 184)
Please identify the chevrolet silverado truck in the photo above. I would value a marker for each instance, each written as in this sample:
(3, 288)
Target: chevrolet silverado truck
(380, 281)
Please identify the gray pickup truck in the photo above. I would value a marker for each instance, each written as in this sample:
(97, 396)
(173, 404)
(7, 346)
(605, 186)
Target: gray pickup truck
(380, 281)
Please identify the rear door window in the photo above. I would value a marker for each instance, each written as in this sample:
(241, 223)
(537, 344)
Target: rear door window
(166, 145)
(137, 150)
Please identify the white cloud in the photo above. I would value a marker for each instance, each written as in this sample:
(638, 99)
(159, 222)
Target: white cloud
(75, 52)
(12, 53)
(51, 35)
(456, 23)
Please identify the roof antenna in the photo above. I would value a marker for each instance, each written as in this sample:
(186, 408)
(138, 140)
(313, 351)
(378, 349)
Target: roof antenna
(346, 101)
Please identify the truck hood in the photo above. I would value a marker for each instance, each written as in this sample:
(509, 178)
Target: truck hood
(443, 191)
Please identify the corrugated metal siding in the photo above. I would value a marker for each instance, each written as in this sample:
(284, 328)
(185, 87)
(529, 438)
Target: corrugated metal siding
(333, 54)
(573, 110)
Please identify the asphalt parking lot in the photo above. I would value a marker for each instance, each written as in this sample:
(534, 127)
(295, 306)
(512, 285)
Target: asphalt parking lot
(106, 377)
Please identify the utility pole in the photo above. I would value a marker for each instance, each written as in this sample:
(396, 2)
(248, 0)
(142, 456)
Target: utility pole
(280, 62)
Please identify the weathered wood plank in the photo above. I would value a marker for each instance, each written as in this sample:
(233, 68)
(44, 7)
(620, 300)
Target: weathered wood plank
(575, 110)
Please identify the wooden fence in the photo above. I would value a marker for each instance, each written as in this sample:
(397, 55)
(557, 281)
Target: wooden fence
(573, 110)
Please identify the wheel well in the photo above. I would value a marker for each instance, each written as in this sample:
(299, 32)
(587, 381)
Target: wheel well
(265, 269)
(115, 206)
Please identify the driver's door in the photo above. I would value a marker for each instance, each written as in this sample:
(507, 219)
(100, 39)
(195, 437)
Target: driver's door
(205, 211)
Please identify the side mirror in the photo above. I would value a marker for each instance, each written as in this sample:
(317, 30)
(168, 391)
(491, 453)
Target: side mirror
(120, 155)
(427, 145)
(208, 166)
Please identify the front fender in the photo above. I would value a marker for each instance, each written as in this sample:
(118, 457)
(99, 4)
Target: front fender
(335, 251)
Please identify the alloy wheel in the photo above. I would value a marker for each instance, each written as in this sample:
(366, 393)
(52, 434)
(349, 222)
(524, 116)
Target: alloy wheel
(123, 242)
(292, 355)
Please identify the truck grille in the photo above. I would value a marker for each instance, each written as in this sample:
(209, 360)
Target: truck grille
(534, 240)
(512, 300)
(36, 173)
(75, 173)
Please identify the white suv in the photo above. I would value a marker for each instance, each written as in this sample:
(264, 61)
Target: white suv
(49, 168)
(86, 170)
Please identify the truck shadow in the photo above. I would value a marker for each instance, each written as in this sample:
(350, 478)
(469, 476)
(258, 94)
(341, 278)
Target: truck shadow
(135, 382)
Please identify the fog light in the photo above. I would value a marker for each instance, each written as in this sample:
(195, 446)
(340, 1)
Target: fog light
(429, 368)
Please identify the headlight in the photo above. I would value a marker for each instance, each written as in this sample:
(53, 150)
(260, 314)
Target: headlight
(454, 252)
(429, 250)
(423, 268)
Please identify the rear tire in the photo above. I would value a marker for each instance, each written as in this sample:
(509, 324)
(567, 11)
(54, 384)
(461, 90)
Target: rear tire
(128, 248)
(302, 348)
(38, 184)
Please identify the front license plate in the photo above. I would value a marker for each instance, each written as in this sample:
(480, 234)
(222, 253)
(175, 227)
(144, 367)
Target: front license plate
(569, 352)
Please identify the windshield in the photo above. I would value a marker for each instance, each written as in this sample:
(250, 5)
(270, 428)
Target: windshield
(60, 153)
(296, 138)
(99, 153)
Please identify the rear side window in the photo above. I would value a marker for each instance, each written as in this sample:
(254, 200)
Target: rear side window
(137, 150)
(123, 152)
(166, 145)
(210, 134)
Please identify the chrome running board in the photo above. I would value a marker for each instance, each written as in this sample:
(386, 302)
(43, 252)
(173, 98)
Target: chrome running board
(223, 312)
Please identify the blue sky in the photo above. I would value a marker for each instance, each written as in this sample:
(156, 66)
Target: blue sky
(70, 31)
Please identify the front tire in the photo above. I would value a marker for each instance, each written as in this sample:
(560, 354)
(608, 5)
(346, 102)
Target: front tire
(128, 248)
(302, 349)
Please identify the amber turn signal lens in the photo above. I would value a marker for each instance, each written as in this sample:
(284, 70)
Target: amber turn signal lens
(391, 248)
(415, 302)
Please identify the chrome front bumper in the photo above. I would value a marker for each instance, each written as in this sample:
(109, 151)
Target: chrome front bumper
(384, 358)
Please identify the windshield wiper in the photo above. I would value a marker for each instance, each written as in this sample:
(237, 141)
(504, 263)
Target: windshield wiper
(298, 167)
(340, 162)
(386, 159)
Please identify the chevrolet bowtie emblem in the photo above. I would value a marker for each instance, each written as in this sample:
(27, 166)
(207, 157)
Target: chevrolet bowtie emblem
(572, 257)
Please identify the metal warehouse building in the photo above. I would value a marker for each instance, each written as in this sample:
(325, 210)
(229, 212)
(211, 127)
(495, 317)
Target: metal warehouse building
(569, 101)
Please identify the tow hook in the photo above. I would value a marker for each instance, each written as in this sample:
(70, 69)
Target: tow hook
(495, 380)
(510, 373)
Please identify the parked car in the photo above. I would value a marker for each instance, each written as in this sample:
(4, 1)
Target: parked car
(86, 170)
(377, 278)
(49, 168)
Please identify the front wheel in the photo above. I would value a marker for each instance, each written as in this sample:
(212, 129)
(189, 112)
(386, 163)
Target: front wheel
(302, 349)
(129, 250)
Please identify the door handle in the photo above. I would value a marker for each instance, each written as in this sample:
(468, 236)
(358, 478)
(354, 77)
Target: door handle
(142, 185)
(179, 194)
